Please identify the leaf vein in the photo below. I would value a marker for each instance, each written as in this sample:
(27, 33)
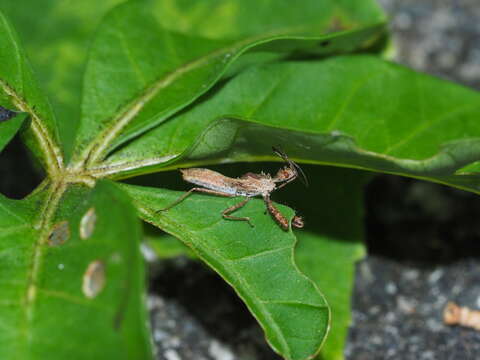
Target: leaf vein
(428, 124)
(259, 254)
(349, 98)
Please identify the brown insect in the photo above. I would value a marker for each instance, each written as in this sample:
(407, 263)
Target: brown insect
(463, 316)
(248, 186)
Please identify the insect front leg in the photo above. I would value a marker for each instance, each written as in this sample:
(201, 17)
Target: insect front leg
(234, 208)
(286, 182)
(276, 214)
(189, 192)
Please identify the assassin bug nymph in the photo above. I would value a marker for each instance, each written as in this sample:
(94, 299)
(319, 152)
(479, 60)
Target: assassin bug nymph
(248, 186)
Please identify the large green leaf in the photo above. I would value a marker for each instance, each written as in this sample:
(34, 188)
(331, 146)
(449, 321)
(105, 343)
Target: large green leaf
(72, 276)
(150, 59)
(257, 262)
(167, 246)
(352, 111)
(56, 36)
(19, 87)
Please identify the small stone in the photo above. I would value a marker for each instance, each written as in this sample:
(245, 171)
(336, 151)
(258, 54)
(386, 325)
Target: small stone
(171, 354)
(405, 305)
(403, 21)
(390, 317)
(159, 335)
(435, 276)
(411, 274)
(434, 325)
(391, 288)
(219, 351)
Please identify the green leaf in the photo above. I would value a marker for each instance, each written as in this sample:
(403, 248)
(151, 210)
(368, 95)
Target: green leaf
(167, 246)
(71, 268)
(330, 264)
(257, 262)
(56, 37)
(19, 87)
(326, 251)
(350, 111)
(150, 59)
(8, 128)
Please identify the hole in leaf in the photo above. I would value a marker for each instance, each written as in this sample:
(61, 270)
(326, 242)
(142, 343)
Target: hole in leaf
(93, 279)
(18, 176)
(87, 224)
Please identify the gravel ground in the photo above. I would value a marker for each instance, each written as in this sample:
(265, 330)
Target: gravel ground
(398, 311)
(441, 37)
(215, 326)
(178, 335)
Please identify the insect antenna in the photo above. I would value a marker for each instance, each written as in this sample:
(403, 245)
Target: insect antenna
(303, 177)
(292, 164)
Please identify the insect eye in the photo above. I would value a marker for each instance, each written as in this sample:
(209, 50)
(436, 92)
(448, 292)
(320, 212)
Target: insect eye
(289, 173)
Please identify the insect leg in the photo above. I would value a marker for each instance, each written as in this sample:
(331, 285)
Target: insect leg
(235, 207)
(189, 192)
(276, 214)
(286, 182)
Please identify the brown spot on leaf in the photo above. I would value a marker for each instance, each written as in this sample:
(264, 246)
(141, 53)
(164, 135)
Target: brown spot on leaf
(338, 24)
(59, 234)
(94, 279)
(87, 224)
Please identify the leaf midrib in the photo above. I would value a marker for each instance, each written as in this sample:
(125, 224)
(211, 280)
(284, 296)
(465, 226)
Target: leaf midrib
(45, 217)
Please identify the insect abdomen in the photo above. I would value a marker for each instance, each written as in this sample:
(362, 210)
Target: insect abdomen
(242, 192)
(208, 179)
